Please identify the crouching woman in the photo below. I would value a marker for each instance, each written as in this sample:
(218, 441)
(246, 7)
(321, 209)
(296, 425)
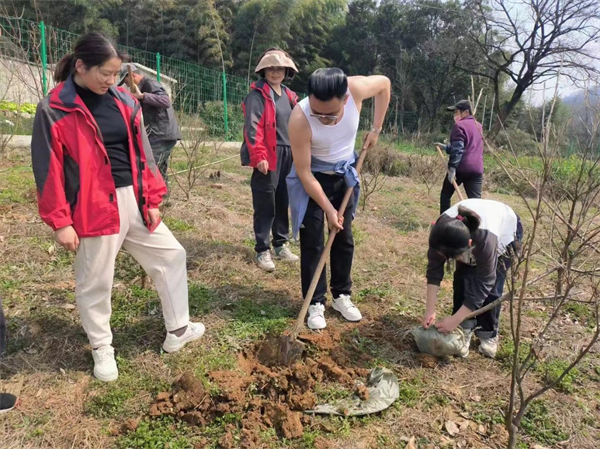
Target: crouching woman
(479, 234)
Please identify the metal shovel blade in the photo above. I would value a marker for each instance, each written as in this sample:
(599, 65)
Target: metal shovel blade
(281, 351)
(290, 350)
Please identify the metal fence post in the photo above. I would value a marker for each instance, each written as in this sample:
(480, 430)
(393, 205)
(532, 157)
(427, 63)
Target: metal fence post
(44, 57)
(225, 115)
(158, 67)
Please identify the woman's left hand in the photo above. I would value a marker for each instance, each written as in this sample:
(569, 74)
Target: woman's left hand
(446, 325)
(154, 217)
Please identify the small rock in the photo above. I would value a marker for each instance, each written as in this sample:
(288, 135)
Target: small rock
(69, 306)
(25, 115)
(216, 186)
(481, 429)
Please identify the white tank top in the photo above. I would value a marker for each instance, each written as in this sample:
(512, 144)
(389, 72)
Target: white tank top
(333, 143)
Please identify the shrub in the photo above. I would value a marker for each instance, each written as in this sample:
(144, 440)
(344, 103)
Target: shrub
(23, 107)
(520, 141)
(212, 114)
(388, 160)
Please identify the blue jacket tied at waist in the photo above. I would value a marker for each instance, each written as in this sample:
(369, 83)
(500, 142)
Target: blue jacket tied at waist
(299, 198)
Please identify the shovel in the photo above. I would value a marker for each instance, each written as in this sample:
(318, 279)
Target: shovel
(289, 347)
(460, 197)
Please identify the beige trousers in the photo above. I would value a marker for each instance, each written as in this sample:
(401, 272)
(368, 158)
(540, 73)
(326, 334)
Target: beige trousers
(159, 253)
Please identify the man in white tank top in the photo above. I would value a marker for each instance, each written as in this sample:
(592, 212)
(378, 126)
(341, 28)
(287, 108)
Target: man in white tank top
(322, 132)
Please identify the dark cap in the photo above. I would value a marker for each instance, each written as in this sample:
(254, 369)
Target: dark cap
(124, 72)
(462, 105)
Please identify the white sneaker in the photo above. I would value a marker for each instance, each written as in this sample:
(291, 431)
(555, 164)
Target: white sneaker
(285, 254)
(464, 352)
(348, 310)
(316, 317)
(488, 346)
(264, 261)
(173, 343)
(105, 366)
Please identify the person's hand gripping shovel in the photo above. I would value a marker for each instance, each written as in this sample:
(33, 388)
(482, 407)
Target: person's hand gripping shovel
(289, 348)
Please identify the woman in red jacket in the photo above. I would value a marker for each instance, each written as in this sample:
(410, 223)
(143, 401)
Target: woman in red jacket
(266, 148)
(99, 189)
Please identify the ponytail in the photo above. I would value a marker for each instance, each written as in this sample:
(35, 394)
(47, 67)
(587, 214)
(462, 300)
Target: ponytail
(469, 218)
(451, 237)
(93, 49)
(64, 67)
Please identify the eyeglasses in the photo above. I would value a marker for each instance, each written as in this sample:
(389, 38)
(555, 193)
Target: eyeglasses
(326, 117)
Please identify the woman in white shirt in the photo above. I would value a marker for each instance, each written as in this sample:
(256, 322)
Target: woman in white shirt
(479, 235)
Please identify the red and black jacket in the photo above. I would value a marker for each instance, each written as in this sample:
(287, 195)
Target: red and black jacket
(72, 170)
(260, 127)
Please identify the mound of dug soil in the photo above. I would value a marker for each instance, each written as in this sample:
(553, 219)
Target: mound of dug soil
(265, 397)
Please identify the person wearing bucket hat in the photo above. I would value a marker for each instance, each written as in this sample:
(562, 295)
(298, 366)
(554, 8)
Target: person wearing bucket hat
(159, 117)
(266, 148)
(480, 235)
(465, 164)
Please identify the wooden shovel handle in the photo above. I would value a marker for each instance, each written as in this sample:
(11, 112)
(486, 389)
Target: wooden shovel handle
(460, 197)
(130, 77)
(325, 255)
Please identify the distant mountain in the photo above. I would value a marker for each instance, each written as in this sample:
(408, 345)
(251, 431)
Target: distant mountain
(577, 99)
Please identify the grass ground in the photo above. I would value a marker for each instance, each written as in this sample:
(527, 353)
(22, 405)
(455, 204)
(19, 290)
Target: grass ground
(49, 362)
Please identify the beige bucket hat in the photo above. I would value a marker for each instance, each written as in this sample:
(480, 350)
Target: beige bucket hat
(275, 58)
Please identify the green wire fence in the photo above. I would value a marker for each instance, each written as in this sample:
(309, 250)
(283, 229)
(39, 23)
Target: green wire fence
(213, 95)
